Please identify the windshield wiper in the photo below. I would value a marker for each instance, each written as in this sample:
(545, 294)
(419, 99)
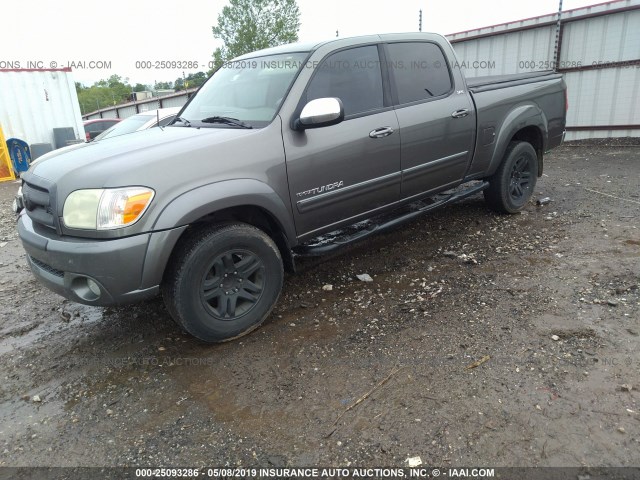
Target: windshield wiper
(186, 122)
(226, 120)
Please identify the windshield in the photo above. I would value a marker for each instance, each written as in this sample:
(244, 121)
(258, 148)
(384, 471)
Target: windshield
(247, 90)
(128, 125)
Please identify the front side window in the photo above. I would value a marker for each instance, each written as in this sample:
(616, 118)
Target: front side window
(248, 90)
(420, 71)
(353, 76)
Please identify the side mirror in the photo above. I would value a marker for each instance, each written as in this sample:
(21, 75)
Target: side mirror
(320, 112)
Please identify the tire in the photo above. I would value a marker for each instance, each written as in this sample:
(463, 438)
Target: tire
(223, 281)
(511, 187)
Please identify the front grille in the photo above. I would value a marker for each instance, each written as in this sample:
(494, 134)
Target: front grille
(37, 201)
(46, 268)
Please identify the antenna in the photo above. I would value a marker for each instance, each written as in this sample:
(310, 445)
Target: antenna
(420, 21)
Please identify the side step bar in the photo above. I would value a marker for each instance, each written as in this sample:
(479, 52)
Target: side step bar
(440, 200)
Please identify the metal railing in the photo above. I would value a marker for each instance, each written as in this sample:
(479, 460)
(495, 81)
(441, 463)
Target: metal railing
(125, 110)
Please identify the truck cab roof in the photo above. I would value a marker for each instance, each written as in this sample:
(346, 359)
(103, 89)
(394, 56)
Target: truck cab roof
(340, 42)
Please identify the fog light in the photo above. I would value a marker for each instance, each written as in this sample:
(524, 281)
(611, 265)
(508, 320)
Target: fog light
(86, 288)
(94, 287)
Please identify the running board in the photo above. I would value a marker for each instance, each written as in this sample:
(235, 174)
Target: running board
(323, 246)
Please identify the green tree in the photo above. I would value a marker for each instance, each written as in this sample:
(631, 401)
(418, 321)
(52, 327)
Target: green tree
(163, 86)
(193, 80)
(104, 93)
(248, 25)
(120, 89)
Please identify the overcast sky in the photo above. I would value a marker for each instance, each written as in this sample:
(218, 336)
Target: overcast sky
(123, 32)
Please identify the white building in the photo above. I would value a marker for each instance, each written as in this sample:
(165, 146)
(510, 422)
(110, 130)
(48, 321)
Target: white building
(35, 101)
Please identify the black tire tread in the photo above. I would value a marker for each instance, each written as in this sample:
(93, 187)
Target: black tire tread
(186, 247)
(496, 195)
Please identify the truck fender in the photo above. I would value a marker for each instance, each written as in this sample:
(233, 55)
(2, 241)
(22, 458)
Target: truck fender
(521, 116)
(207, 199)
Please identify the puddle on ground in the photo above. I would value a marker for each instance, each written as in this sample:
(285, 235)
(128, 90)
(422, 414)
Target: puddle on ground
(17, 339)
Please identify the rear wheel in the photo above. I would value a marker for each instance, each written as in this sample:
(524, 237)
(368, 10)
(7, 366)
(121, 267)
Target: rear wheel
(511, 187)
(223, 281)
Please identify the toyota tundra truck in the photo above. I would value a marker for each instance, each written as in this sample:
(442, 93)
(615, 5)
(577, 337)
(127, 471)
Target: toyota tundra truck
(277, 148)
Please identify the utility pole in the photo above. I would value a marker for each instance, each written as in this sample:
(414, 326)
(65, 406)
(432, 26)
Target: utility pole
(556, 48)
(420, 21)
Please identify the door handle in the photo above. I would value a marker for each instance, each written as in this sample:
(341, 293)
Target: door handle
(460, 113)
(381, 132)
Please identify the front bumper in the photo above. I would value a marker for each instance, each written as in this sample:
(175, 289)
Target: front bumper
(68, 266)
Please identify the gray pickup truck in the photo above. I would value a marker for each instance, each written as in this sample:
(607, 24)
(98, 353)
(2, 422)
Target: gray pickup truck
(277, 148)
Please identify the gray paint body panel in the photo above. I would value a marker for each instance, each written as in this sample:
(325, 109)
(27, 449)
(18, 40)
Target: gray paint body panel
(116, 265)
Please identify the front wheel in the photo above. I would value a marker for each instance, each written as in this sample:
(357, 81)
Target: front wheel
(223, 281)
(511, 187)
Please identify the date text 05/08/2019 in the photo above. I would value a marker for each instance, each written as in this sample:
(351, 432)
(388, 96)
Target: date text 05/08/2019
(337, 473)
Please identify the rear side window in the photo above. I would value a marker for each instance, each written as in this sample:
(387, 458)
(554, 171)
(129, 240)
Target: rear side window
(420, 71)
(353, 76)
(93, 127)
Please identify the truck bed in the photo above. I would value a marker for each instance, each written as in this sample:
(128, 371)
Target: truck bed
(494, 98)
(495, 82)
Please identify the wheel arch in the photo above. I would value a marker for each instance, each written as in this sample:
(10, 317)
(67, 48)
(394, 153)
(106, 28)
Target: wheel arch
(526, 123)
(256, 216)
(244, 200)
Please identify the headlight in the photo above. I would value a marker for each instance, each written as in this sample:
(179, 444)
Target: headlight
(105, 209)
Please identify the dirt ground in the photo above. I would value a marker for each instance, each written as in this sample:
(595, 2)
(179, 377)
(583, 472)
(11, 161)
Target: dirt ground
(546, 304)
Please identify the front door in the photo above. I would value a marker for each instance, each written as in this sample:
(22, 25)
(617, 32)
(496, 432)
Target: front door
(339, 172)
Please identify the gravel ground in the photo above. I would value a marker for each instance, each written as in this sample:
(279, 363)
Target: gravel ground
(482, 339)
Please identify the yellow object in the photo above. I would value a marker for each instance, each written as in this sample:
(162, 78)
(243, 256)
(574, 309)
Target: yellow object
(6, 169)
(135, 206)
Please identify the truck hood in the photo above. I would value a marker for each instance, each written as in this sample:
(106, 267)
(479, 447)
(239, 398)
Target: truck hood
(171, 161)
(104, 158)
(55, 153)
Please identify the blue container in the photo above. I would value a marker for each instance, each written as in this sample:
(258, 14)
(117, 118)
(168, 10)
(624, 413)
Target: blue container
(20, 154)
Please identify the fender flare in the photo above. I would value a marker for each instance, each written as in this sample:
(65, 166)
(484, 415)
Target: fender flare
(207, 199)
(521, 116)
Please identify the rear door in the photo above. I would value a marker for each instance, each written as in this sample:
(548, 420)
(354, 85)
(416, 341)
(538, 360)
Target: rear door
(437, 121)
(341, 171)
